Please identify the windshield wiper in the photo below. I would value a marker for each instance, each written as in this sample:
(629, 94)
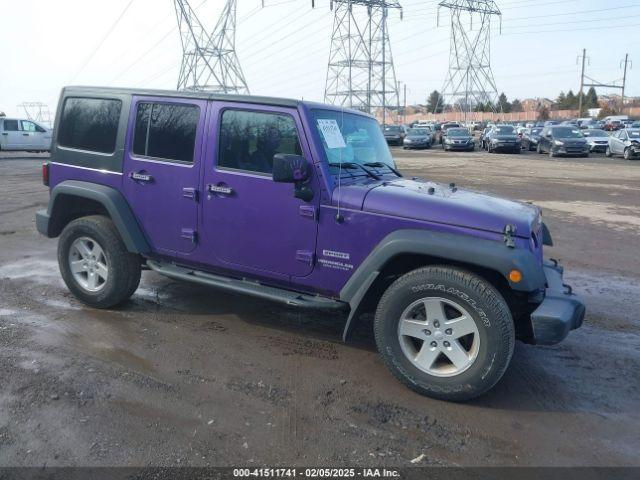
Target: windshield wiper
(382, 164)
(353, 166)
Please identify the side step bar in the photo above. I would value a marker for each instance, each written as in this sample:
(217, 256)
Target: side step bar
(288, 297)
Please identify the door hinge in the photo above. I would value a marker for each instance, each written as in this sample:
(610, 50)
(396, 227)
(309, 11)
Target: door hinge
(308, 211)
(190, 192)
(305, 256)
(189, 234)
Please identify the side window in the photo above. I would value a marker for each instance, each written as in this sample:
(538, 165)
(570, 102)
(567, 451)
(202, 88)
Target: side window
(90, 124)
(166, 131)
(28, 126)
(249, 140)
(10, 125)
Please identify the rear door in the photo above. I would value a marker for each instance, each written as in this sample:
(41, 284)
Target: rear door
(252, 223)
(161, 169)
(12, 136)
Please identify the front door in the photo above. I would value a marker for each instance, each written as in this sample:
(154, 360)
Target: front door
(162, 167)
(32, 138)
(252, 223)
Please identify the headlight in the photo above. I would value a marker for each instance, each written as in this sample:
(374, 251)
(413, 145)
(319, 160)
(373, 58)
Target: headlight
(558, 142)
(446, 140)
(407, 140)
(494, 140)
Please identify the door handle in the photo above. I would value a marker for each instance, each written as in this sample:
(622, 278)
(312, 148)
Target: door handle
(220, 189)
(141, 177)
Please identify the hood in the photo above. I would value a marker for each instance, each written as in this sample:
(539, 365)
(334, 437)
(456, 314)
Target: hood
(572, 141)
(597, 139)
(506, 137)
(418, 137)
(466, 208)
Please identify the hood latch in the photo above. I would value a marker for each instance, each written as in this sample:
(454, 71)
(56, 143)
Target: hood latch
(509, 234)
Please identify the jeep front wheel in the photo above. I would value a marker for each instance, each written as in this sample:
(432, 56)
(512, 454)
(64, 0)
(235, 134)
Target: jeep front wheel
(95, 263)
(445, 332)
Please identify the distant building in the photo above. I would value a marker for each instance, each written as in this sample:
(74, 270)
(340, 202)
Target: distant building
(535, 104)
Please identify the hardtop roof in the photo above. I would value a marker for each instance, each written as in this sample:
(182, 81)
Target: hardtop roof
(222, 97)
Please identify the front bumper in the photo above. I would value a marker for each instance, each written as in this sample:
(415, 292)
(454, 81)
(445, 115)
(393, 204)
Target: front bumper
(511, 146)
(570, 151)
(459, 146)
(560, 312)
(417, 144)
(598, 147)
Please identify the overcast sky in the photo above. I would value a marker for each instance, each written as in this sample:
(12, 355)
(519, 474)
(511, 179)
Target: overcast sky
(284, 47)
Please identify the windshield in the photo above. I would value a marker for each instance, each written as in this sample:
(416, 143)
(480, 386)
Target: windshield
(595, 133)
(351, 138)
(418, 131)
(392, 129)
(506, 130)
(458, 132)
(567, 132)
(536, 131)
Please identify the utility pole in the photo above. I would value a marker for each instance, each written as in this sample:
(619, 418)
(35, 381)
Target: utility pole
(584, 59)
(624, 79)
(405, 104)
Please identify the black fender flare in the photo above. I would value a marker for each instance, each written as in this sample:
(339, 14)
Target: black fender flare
(110, 198)
(488, 254)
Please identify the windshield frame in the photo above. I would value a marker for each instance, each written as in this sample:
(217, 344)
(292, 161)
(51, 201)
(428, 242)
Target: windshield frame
(555, 129)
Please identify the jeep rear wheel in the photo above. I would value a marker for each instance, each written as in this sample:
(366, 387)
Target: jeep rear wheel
(95, 263)
(445, 332)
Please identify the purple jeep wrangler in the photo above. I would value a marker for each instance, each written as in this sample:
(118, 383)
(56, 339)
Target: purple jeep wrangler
(300, 203)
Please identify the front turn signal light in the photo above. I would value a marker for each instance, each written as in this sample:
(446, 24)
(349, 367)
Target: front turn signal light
(515, 276)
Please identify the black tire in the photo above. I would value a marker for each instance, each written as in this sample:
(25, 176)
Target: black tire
(124, 267)
(607, 153)
(627, 154)
(539, 150)
(551, 153)
(483, 303)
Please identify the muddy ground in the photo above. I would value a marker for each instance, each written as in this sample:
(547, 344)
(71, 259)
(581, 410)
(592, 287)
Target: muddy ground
(184, 375)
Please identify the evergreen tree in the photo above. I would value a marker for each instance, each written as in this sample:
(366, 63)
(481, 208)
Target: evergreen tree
(435, 103)
(571, 101)
(516, 106)
(591, 100)
(561, 101)
(504, 104)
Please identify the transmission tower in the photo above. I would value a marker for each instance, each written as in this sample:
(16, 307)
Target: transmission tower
(209, 61)
(470, 81)
(360, 73)
(37, 111)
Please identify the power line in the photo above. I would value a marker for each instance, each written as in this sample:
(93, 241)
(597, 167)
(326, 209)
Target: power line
(109, 32)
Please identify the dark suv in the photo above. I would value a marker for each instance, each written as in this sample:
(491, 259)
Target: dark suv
(503, 138)
(563, 140)
(300, 203)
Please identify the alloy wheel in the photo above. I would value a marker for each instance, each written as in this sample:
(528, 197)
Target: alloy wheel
(439, 336)
(88, 264)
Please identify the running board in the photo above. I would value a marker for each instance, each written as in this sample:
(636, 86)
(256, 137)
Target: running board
(248, 287)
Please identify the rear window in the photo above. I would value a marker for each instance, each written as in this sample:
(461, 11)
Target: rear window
(90, 124)
(10, 125)
(166, 131)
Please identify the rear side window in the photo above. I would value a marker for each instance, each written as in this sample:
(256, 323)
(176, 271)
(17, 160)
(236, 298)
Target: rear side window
(90, 124)
(166, 131)
(10, 125)
(249, 140)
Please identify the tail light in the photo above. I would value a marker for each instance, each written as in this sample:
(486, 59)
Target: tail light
(45, 174)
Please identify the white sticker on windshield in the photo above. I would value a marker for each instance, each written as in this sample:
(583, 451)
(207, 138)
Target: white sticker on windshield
(331, 133)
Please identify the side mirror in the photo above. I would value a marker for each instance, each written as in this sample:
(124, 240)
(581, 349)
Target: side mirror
(294, 169)
(289, 168)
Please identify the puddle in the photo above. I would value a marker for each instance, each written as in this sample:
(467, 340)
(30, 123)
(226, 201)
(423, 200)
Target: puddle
(6, 313)
(40, 271)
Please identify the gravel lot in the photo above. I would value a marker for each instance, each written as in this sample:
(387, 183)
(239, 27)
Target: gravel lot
(184, 375)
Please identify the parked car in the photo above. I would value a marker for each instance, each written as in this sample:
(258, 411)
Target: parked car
(27, 135)
(626, 123)
(458, 139)
(418, 138)
(394, 134)
(530, 138)
(289, 211)
(626, 143)
(635, 125)
(612, 125)
(562, 140)
(443, 129)
(503, 138)
(597, 139)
